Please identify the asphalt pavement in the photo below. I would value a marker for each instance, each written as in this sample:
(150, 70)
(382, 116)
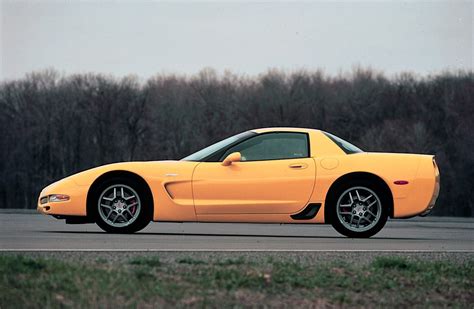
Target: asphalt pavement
(26, 231)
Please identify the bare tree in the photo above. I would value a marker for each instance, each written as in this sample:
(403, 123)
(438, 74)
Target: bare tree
(54, 125)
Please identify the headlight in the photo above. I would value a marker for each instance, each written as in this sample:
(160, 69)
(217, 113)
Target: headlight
(58, 198)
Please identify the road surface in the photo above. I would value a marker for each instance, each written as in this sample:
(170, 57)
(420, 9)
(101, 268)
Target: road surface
(28, 231)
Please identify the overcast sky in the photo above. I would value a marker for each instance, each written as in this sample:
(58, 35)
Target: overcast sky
(145, 38)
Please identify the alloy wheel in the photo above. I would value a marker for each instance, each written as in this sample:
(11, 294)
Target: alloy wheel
(359, 209)
(119, 205)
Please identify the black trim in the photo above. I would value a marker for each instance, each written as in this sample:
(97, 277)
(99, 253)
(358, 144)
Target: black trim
(309, 212)
(74, 219)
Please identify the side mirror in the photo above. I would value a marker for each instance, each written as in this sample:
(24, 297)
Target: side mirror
(233, 157)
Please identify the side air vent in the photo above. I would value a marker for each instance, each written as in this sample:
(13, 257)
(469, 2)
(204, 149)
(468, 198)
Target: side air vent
(308, 213)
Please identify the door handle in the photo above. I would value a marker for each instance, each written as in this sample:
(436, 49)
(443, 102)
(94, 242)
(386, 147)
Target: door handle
(298, 165)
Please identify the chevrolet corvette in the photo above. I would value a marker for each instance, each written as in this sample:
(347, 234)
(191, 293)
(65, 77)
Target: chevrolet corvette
(271, 175)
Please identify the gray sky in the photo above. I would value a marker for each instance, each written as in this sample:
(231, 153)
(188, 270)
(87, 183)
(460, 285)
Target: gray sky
(145, 38)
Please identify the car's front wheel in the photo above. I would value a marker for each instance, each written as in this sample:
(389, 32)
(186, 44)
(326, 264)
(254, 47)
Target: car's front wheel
(121, 206)
(360, 210)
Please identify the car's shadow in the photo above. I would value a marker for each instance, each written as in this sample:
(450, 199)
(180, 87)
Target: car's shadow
(233, 235)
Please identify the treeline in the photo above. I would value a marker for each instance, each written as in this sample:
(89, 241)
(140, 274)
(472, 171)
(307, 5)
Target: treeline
(53, 125)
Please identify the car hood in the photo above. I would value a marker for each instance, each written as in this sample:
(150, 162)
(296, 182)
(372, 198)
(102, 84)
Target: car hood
(145, 169)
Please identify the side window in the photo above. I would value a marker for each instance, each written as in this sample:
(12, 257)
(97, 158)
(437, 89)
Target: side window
(272, 146)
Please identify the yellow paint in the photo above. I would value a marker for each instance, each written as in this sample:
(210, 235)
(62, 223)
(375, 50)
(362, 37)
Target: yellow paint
(259, 191)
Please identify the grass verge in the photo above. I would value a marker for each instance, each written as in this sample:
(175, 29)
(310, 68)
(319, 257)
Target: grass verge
(148, 281)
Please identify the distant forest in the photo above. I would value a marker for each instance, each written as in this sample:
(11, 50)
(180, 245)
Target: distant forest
(54, 125)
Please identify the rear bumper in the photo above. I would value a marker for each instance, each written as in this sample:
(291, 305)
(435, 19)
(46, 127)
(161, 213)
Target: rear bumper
(423, 192)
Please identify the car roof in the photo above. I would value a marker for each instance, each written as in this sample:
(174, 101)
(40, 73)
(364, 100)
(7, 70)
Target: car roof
(282, 129)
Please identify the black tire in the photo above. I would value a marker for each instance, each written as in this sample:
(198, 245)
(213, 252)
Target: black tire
(141, 217)
(342, 192)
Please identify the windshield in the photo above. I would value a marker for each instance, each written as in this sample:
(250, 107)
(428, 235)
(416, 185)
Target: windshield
(344, 145)
(222, 145)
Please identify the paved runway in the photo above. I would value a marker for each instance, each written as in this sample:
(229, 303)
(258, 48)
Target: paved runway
(38, 232)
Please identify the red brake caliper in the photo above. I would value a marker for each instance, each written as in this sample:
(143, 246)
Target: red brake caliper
(134, 208)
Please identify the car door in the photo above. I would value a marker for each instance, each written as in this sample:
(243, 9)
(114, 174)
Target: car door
(275, 175)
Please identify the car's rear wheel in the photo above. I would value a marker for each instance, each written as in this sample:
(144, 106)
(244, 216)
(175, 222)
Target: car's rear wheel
(121, 206)
(359, 210)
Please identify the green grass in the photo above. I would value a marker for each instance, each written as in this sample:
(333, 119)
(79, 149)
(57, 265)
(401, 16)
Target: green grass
(151, 262)
(148, 281)
(191, 261)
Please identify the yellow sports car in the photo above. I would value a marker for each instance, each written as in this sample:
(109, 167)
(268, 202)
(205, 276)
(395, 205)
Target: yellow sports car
(272, 175)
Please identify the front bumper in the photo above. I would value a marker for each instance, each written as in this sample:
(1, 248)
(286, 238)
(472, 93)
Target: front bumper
(75, 206)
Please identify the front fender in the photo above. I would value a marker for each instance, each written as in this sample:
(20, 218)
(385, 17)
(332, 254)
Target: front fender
(75, 206)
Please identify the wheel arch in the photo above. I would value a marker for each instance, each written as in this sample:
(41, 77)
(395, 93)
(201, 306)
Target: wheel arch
(352, 177)
(119, 173)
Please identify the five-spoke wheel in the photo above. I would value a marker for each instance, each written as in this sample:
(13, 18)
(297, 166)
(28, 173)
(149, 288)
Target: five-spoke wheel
(121, 205)
(359, 210)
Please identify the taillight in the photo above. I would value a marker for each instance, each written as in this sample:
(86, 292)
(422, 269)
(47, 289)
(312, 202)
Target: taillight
(435, 191)
(436, 169)
(437, 185)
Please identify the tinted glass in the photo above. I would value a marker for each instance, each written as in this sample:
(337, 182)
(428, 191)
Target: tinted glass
(344, 145)
(208, 151)
(272, 146)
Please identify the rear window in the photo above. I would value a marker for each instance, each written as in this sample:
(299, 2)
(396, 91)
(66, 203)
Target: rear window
(347, 147)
